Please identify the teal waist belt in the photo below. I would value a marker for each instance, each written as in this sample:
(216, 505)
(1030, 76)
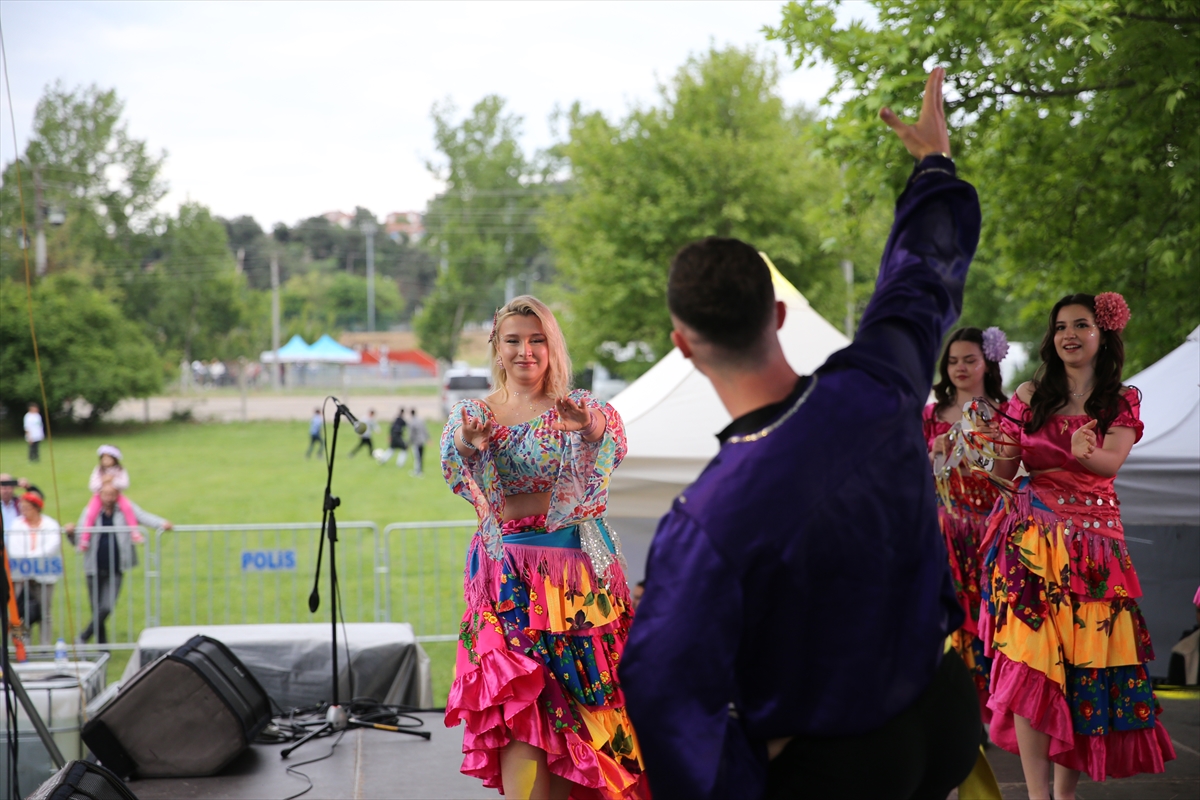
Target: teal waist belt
(566, 538)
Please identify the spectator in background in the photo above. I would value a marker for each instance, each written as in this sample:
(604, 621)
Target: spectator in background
(35, 535)
(395, 442)
(35, 431)
(109, 470)
(367, 435)
(316, 435)
(418, 437)
(109, 554)
(9, 508)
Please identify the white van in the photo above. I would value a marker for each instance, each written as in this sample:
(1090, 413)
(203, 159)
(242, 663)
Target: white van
(462, 383)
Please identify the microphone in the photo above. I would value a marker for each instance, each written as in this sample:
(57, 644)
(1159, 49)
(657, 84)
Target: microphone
(360, 427)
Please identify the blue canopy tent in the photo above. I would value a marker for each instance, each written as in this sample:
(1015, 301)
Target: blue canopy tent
(294, 351)
(327, 351)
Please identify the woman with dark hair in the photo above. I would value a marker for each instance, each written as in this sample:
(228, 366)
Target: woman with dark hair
(970, 368)
(1060, 614)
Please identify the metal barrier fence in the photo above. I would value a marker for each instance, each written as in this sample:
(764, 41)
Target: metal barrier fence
(421, 566)
(263, 573)
(126, 599)
(258, 573)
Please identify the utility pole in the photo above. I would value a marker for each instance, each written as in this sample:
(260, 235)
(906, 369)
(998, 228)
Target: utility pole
(848, 274)
(39, 222)
(368, 229)
(275, 321)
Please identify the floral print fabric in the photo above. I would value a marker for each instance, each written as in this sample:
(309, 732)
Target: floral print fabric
(533, 457)
(963, 523)
(542, 636)
(1061, 620)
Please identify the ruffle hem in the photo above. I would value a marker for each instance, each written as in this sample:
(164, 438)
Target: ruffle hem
(539, 666)
(1060, 618)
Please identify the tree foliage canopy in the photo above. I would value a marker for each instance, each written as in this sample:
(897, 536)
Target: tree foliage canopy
(722, 155)
(88, 348)
(482, 228)
(88, 166)
(1077, 121)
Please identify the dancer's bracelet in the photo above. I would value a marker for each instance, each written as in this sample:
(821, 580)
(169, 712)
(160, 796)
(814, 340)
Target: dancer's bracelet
(590, 430)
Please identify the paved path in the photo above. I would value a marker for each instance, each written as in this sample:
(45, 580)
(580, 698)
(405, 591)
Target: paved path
(228, 407)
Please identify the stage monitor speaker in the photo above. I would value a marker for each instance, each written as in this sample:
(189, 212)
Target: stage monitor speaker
(79, 780)
(188, 714)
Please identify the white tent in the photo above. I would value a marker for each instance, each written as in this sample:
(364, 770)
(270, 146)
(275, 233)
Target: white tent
(672, 414)
(1159, 484)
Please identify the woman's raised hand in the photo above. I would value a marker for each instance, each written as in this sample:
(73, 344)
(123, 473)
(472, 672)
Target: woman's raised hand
(572, 416)
(1083, 441)
(475, 434)
(929, 135)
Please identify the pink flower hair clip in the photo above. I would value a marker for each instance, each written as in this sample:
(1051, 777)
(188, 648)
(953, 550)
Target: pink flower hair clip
(1112, 312)
(995, 344)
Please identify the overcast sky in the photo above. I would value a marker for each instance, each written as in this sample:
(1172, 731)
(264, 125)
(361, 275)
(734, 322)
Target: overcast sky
(287, 110)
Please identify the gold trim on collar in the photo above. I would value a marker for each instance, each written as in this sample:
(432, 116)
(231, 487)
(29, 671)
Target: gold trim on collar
(765, 432)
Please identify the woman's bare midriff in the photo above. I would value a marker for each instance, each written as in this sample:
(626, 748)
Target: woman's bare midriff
(519, 506)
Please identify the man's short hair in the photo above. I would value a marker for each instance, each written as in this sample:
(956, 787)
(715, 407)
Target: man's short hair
(721, 288)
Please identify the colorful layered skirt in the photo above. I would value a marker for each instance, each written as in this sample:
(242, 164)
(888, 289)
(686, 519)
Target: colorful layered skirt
(963, 521)
(537, 661)
(1060, 619)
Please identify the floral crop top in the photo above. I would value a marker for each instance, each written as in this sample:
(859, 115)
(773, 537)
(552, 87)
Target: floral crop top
(533, 457)
(1050, 446)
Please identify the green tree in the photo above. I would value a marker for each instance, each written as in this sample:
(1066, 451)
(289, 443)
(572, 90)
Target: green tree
(322, 302)
(481, 229)
(194, 300)
(85, 163)
(89, 350)
(1077, 121)
(721, 154)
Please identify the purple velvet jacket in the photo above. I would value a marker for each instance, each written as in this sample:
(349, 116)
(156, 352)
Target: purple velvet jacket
(802, 577)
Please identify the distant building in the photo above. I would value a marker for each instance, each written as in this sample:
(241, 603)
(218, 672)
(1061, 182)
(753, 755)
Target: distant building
(407, 223)
(339, 218)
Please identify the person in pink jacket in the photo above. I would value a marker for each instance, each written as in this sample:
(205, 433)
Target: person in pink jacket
(109, 471)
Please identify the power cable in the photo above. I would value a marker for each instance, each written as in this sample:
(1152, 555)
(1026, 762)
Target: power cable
(41, 380)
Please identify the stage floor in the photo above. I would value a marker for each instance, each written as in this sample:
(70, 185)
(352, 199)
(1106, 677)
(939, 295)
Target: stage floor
(374, 765)
(366, 764)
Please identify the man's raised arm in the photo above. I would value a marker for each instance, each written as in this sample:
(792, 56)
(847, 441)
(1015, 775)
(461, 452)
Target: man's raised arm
(918, 294)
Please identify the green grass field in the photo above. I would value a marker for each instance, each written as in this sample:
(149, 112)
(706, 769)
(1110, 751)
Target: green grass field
(225, 474)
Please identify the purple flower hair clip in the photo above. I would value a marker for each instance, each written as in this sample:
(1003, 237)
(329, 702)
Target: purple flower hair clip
(995, 344)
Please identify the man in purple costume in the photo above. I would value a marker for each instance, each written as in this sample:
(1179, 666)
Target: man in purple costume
(790, 640)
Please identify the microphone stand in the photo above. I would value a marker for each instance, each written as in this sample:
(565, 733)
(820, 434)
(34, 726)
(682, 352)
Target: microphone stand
(336, 717)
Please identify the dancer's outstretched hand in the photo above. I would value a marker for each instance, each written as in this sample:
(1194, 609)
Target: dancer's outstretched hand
(475, 433)
(572, 416)
(929, 134)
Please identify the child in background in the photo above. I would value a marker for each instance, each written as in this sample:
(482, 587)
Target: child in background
(109, 470)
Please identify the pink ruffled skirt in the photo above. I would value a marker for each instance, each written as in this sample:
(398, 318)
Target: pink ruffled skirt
(539, 665)
(1061, 620)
